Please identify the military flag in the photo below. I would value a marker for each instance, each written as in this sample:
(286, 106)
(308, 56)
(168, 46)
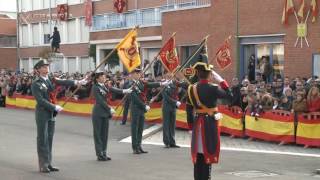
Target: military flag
(223, 55)
(302, 10)
(314, 10)
(128, 51)
(287, 10)
(199, 55)
(168, 55)
(88, 12)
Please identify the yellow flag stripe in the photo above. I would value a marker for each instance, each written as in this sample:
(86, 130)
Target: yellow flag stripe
(269, 127)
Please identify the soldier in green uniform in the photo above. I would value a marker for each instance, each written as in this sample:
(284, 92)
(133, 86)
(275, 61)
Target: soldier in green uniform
(170, 104)
(127, 84)
(43, 88)
(102, 113)
(139, 108)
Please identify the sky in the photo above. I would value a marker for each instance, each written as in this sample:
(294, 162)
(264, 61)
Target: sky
(7, 5)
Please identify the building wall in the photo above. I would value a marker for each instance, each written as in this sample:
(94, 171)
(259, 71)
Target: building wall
(8, 58)
(267, 20)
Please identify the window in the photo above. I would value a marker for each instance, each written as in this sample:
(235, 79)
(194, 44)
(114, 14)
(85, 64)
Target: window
(46, 33)
(25, 35)
(46, 4)
(70, 2)
(35, 61)
(25, 64)
(36, 4)
(278, 59)
(84, 31)
(71, 65)
(26, 5)
(35, 34)
(86, 64)
(71, 27)
(316, 65)
(186, 51)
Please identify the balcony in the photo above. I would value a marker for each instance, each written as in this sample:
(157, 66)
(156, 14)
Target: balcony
(143, 17)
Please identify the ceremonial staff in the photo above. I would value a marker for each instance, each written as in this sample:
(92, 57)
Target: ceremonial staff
(142, 73)
(183, 65)
(105, 59)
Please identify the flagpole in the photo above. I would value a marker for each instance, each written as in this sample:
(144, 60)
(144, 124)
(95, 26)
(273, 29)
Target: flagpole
(141, 74)
(104, 60)
(181, 67)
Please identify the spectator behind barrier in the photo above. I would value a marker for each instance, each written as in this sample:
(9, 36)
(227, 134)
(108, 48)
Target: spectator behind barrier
(313, 99)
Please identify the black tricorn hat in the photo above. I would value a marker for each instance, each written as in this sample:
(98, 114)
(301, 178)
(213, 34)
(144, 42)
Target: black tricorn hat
(136, 70)
(41, 63)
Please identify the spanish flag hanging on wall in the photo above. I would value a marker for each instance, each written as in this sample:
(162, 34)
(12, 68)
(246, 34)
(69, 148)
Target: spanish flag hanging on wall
(287, 10)
(128, 51)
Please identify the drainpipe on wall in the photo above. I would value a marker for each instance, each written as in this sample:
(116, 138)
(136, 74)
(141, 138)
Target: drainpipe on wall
(18, 36)
(237, 40)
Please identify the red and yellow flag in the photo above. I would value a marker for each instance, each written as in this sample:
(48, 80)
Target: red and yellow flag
(287, 10)
(314, 10)
(301, 9)
(128, 51)
(168, 55)
(223, 55)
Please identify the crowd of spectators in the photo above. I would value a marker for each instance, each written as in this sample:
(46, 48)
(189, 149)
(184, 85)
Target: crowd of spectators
(253, 94)
(288, 94)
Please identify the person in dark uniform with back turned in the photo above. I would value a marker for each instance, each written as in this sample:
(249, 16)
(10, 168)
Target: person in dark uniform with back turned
(170, 104)
(127, 84)
(139, 108)
(43, 88)
(203, 96)
(102, 113)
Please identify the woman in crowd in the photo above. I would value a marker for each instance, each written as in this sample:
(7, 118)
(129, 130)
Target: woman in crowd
(299, 104)
(313, 99)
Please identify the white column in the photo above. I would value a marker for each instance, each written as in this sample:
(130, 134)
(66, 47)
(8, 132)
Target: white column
(98, 55)
(78, 64)
(78, 33)
(30, 42)
(21, 35)
(64, 32)
(41, 42)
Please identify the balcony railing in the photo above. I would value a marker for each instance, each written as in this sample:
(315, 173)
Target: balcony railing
(143, 17)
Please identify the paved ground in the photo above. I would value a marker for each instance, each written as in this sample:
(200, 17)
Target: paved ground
(74, 154)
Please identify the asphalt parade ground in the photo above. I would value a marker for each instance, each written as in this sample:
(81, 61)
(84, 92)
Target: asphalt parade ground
(73, 153)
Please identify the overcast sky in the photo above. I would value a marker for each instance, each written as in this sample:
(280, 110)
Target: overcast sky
(7, 5)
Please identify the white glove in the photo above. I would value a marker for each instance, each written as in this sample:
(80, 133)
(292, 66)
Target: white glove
(82, 82)
(58, 108)
(147, 108)
(178, 103)
(165, 83)
(218, 116)
(127, 91)
(112, 111)
(217, 77)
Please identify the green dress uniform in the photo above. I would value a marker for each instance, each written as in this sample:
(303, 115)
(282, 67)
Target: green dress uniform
(169, 108)
(101, 114)
(44, 113)
(138, 110)
(127, 84)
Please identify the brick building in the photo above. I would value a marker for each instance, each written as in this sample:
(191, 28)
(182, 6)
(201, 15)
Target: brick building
(258, 26)
(8, 50)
